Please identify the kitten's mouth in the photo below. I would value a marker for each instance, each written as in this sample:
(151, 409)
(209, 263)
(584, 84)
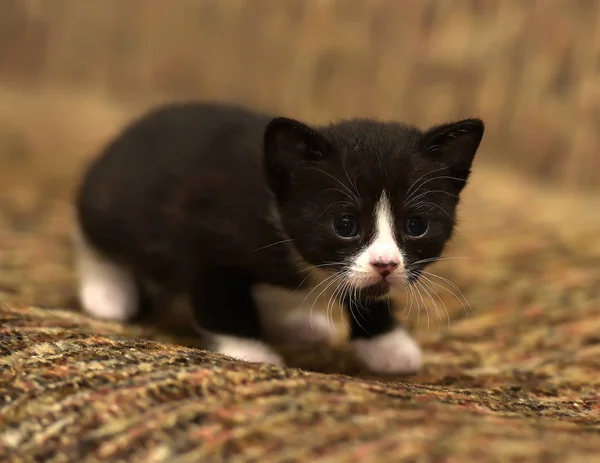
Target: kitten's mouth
(379, 289)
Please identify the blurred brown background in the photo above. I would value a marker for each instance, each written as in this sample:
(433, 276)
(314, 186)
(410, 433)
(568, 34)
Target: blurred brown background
(73, 71)
(530, 68)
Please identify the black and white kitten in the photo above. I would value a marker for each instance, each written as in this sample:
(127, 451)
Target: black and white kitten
(249, 215)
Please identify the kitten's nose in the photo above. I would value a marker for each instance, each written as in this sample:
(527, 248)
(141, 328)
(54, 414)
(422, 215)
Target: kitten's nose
(384, 268)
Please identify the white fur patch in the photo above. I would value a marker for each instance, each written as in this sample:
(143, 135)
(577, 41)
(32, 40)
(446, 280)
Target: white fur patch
(106, 289)
(383, 249)
(289, 317)
(393, 352)
(248, 350)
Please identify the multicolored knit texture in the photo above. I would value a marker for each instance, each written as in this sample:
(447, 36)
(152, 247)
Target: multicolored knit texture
(514, 377)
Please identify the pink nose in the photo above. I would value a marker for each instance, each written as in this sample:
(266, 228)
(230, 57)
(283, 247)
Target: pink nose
(384, 268)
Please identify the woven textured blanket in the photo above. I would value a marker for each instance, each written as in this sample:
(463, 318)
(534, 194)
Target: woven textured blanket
(514, 377)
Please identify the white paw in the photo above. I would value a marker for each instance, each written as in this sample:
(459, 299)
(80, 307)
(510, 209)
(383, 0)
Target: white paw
(390, 353)
(301, 328)
(246, 349)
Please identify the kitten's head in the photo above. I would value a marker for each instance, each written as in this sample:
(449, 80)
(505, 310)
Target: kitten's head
(372, 202)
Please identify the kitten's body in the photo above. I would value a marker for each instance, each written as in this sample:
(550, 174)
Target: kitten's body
(222, 204)
(183, 187)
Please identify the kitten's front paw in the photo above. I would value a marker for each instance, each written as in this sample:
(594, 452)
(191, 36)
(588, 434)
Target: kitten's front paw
(248, 350)
(390, 353)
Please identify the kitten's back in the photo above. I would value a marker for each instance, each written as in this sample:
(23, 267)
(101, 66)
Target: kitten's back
(180, 174)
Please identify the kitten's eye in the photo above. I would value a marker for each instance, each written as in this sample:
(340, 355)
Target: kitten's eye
(346, 226)
(416, 226)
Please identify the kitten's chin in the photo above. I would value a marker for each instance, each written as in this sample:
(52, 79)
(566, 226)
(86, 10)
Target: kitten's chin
(377, 290)
(374, 286)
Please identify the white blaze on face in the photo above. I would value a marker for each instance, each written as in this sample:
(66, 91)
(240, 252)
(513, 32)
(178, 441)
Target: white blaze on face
(381, 253)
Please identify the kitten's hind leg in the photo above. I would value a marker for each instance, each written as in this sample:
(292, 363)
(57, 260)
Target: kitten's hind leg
(106, 289)
(226, 313)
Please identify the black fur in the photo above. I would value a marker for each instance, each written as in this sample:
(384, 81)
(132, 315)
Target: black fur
(185, 196)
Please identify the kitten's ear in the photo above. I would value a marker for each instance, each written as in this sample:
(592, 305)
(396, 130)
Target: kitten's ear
(455, 145)
(289, 143)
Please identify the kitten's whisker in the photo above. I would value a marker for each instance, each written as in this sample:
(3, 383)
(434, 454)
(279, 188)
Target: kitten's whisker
(348, 203)
(316, 298)
(338, 276)
(426, 281)
(424, 175)
(416, 187)
(428, 192)
(435, 283)
(446, 280)
(356, 303)
(350, 194)
(342, 305)
(301, 283)
(273, 244)
(447, 177)
(326, 264)
(432, 205)
(437, 259)
(333, 204)
(347, 300)
(414, 299)
(336, 297)
(316, 286)
(411, 298)
(420, 294)
(349, 303)
(435, 306)
(342, 300)
(333, 299)
(415, 197)
(452, 284)
(352, 306)
(421, 192)
(389, 307)
(439, 177)
(426, 308)
(422, 300)
(443, 192)
(352, 184)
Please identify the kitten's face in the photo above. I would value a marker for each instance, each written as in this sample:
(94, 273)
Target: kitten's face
(371, 203)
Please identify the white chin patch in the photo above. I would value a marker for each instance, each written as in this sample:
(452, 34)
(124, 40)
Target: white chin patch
(248, 350)
(106, 289)
(382, 249)
(395, 352)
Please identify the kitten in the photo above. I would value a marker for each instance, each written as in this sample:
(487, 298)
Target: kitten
(247, 215)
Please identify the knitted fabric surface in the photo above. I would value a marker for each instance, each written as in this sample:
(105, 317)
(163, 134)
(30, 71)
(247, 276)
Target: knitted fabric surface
(514, 376)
